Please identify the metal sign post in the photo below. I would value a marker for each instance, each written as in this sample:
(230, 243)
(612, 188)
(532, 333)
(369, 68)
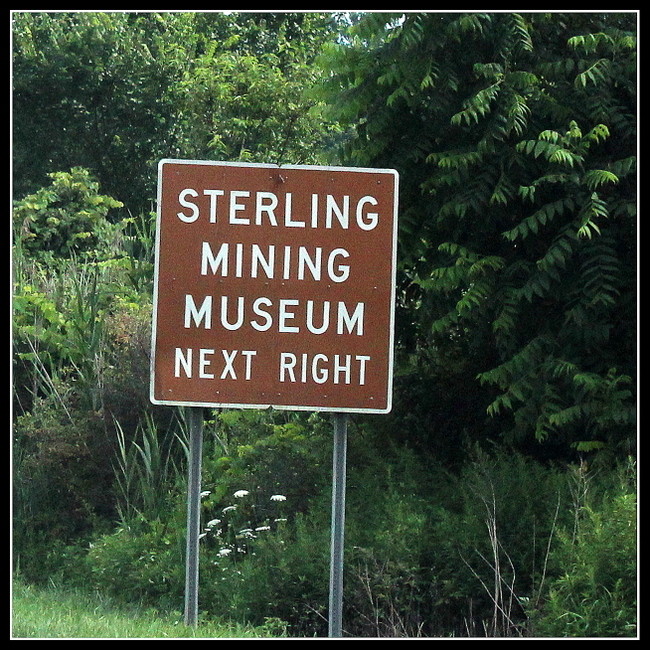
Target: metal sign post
(338, 525)
(195, 418)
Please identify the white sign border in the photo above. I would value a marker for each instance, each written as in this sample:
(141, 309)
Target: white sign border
(278, 407)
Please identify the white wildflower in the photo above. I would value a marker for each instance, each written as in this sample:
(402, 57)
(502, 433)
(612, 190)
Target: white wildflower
(240, 493)
(205, 494)
(278, 497)
(259, 528)
(229, 509)
(213, 522)
(225, 551)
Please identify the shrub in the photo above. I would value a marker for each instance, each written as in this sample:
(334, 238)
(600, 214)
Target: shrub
(490, 535)
(254, 564)
(62, 483)
(595, 593)
(389, 590)
(140, 563)
(66, 219)
(249, 572)
(275, 571)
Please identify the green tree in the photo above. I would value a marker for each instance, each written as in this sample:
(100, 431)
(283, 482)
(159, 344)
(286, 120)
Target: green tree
(91, 90)
(245, 97)
(116, 92)
(515, 139)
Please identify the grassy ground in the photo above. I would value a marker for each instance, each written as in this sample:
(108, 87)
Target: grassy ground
(54, 613)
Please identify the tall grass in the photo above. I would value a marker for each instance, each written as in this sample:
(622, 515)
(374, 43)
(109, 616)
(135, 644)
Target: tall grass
(53, 613)
(148, 469)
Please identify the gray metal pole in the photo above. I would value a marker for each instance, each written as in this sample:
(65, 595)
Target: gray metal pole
(195, 419)
(338, 525)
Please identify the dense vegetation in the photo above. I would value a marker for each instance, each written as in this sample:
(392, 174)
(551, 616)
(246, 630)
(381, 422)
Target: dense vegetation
(499, 496)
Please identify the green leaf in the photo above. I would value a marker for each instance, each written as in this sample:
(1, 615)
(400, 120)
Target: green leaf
(597, 177)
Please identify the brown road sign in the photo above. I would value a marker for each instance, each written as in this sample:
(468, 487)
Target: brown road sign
(274, 286)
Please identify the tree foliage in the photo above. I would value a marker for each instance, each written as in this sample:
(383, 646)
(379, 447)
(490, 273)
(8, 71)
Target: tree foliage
(115, 92)
(66, 219)
(244, 97)
(89, 90)
(515, 137)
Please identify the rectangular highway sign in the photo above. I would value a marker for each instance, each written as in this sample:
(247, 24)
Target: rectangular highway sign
(274, 286)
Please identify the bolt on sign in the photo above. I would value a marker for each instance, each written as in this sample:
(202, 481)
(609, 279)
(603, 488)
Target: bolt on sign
(274, 286)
